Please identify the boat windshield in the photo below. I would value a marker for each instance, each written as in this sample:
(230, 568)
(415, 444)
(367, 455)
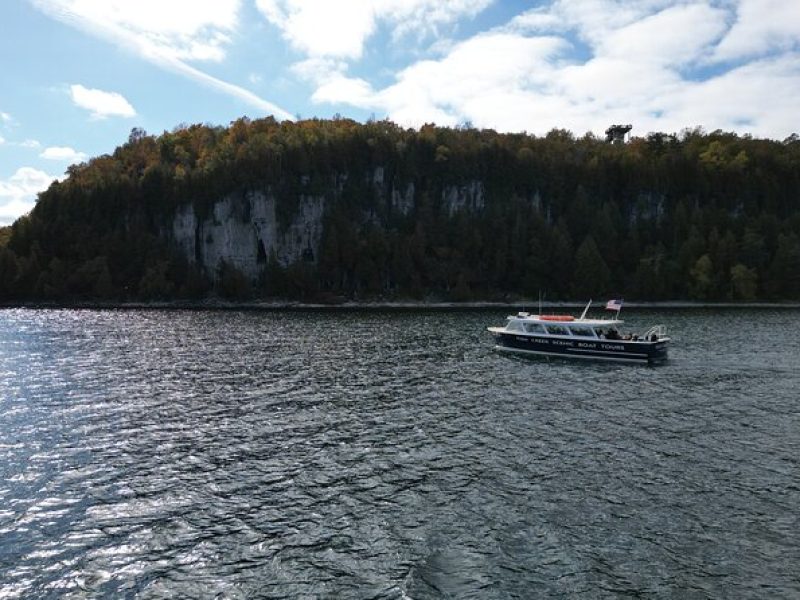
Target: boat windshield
(582, 331)
(514, 325)
(557, 330)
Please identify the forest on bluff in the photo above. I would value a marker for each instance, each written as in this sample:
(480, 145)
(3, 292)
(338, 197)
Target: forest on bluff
(688, 216)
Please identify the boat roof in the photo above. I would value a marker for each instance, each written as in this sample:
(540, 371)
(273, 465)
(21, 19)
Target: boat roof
(567, 320)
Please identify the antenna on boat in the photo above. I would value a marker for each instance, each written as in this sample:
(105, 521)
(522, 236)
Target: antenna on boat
(540, 302)
(585, 310)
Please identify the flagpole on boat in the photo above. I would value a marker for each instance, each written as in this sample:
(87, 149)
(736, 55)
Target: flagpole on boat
(585, 310)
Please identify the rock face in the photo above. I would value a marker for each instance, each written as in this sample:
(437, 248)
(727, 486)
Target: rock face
(469, 197)
(243, 230)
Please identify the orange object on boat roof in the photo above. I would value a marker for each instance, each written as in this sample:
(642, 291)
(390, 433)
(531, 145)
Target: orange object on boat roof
(556, 317)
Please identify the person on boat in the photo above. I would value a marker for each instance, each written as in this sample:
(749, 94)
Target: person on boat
(612, 334)
(600, 334)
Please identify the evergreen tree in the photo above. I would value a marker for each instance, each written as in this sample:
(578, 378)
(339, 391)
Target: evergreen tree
(460, 213)
(592, 276)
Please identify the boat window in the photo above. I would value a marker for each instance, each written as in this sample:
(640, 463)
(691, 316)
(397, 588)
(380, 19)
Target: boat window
(534, 328)
(514, 325)
(557, 330)
(582, 331)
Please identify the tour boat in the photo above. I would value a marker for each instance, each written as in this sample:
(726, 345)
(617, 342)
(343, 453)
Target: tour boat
(571, 337)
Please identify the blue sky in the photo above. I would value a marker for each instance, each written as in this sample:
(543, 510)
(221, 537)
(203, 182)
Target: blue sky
(78, 75)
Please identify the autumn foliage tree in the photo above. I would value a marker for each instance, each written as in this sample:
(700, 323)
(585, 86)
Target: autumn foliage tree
(459, 213)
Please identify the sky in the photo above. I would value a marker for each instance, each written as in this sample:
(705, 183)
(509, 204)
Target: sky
(77, 75)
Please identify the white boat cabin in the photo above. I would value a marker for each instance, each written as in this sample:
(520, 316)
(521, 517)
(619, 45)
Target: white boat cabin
(566, 326)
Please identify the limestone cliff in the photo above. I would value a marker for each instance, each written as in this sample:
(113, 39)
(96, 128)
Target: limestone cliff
(244, 231)
(323, 210)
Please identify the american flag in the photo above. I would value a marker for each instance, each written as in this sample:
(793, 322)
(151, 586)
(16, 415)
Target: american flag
(614, 305)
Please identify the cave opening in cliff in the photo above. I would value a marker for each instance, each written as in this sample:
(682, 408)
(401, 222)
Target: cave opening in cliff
(198, 249)
(261, 256)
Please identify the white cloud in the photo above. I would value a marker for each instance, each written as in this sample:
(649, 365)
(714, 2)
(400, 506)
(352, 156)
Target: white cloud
(677, 35)
(661, 31)
(320, 71)
(340, 88)
(761, 26)
(766, 93)
(579, 64)
(25, 144)
(165, 33)
(6, 118)
(18, 192)
(223, 86)
(63, 153)
(13, 209)
(183, 29)
(425, 17)
(584, 64)
(591, 20)
(476, 73)
(101, 104)
(323, 28)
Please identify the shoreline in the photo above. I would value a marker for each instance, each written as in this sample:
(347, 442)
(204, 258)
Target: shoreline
(285, 305)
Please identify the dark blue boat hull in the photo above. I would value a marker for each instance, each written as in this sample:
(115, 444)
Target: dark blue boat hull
(615, 350)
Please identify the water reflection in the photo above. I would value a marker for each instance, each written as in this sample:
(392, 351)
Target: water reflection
(311, 454)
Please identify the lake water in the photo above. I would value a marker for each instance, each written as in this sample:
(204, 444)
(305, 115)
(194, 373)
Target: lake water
(202, 454)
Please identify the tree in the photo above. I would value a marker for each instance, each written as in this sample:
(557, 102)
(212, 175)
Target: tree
(744, 283)
(702, 274)
(52, 283)
(650, 279)
(701, 215)
(232, 283)
(92, 279)
(784, 270)
(137, 133)
(155, 283)
(9, 270)
(592, 276)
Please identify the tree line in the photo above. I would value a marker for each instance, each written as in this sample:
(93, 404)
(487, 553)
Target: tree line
(694, 215)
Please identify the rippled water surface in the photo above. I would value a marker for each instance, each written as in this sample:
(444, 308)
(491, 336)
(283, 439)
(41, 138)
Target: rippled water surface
(155, 454)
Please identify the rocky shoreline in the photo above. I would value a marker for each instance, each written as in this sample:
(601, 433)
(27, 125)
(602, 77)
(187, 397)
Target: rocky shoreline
(286, 305)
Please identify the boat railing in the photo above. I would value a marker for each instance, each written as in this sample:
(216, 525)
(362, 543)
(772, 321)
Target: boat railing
(659, 331)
